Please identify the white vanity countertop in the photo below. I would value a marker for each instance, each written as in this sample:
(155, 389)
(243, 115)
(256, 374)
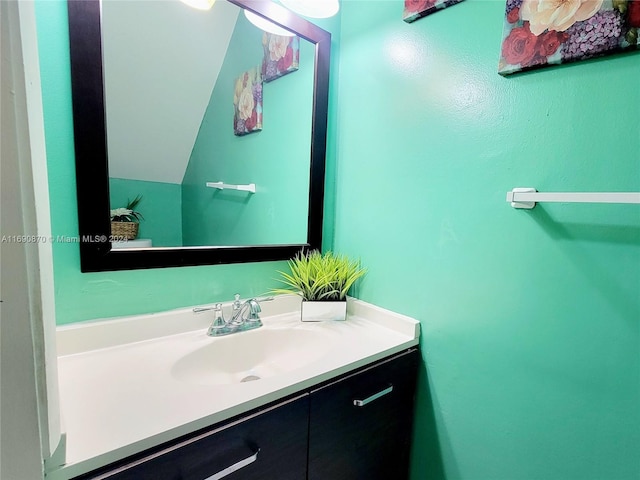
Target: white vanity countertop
(121, 391)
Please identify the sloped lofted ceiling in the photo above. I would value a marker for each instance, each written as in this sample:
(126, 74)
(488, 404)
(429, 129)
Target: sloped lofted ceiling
(161, 61)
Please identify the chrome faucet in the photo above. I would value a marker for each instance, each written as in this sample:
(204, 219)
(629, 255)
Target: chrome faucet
(244, 316)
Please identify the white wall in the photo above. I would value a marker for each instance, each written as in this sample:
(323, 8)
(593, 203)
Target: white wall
(29, 419)
(161, 60)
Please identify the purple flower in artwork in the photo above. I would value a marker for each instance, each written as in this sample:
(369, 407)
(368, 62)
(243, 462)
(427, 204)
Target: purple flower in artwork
(240, 128)
(257, 92)
(512, 4)
(593, 36)
(271, 69)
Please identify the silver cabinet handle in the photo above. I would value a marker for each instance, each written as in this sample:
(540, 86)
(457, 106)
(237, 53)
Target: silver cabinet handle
(362, 403)
(235, 467)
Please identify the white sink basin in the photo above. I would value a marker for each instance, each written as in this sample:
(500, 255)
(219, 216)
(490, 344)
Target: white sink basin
(148, 379)
(252, 355)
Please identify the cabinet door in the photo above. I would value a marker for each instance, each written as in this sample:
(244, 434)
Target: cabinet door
(268, 445)
(361, 426)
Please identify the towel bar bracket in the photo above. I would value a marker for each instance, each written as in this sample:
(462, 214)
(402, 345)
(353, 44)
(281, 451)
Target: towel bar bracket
(521, 204)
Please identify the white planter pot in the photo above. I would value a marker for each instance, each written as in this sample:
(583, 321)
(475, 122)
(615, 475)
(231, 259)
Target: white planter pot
(320, 311)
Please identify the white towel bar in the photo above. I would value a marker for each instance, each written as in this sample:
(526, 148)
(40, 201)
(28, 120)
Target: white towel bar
(527, 197)
(226, 186)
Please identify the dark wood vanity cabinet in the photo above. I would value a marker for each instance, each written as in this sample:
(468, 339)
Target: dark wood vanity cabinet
(361, 426)
(356, 427)
(266, 445)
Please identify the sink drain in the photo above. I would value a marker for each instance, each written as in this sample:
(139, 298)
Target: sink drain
(250, 378)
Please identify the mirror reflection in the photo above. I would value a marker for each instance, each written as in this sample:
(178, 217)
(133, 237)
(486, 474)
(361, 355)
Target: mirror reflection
(185, 106)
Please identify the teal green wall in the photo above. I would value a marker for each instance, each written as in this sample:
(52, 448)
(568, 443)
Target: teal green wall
(160, 206)
(82, 296)
(530, 319)
(276, 158)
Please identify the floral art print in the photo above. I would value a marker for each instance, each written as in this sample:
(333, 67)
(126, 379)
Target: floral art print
(281, 55)
(247, 102)
(415, 9)
(545, 32)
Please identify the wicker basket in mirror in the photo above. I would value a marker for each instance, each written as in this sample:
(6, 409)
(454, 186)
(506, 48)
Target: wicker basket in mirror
(128, 230)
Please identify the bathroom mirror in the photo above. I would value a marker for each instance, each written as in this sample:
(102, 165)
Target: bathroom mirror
(289, 214)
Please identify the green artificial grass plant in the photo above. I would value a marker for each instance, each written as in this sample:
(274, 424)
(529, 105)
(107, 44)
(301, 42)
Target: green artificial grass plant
(320, 277)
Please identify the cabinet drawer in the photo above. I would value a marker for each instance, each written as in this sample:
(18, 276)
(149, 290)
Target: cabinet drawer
(361, 426)
(268, 445)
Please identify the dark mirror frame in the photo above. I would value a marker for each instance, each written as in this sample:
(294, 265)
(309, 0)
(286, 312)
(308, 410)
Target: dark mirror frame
(92, 175)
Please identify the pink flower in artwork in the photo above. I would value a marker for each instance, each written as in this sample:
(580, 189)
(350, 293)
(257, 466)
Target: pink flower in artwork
(281, 55)
(523, 47)
(251, 121)
(514, 15)
(416, 6)
(634, 13)
(520, 46)
(557, 15)
(278, 46)
(549, 42)
(286, 60)
(247, 102)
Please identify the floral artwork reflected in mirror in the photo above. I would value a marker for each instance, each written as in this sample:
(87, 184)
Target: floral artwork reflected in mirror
(247, 102)
(538, 33)
(415, 9)
(281, 55)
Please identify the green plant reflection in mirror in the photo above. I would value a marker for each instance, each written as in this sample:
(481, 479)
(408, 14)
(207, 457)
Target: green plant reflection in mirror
(169, 73)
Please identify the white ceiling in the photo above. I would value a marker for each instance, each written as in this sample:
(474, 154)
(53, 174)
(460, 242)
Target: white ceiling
(162, 59)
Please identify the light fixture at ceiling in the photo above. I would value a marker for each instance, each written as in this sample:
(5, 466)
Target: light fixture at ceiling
(199, 4)
(264, 24)
(313, 8)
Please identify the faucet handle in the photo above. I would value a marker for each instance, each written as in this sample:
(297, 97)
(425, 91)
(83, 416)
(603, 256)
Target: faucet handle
(218, 322)
(254, 308)
(255, 305)
(236, 302)
(219, 316)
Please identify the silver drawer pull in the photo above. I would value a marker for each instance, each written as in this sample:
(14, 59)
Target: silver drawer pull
(235, 467)
(362, 403)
